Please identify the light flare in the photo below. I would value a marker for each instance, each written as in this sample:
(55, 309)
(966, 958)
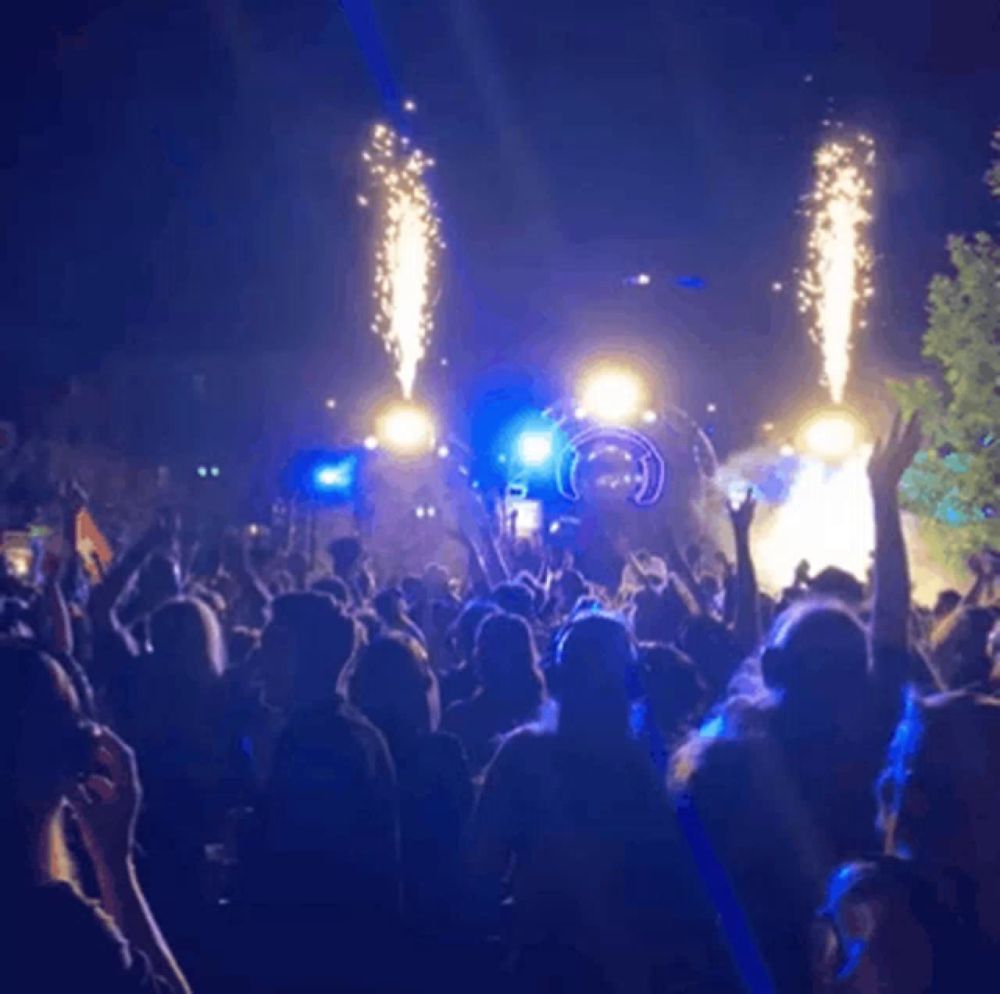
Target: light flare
(837, 277)
(405, 429)
(610, 394)
(407, 250)
(825, 519)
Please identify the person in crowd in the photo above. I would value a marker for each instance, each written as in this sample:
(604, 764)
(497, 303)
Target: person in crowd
(460, 681)
(925, 917)
(663, 807)
(780, 782)
(318, 872)
(676, 692)
(604, 893)
(390, 606)
(178, 719)
(512, 690)
(392, 684)
(958, 647)
(57, 766)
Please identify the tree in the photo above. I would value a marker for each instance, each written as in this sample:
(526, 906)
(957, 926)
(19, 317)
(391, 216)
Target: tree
(955, 480)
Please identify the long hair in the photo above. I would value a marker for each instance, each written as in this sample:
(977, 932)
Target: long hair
(508, 664)
(187, 638)
(45, 746)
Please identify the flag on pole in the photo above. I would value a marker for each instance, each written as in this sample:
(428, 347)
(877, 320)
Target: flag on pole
(92, 546)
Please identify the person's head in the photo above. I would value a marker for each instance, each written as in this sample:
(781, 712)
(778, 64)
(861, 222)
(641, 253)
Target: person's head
(159, 580)
(335, 587)
(507, 665)
(304, 648)
(838, 584)
(515, 598)
(187, 641)
(437, 581)
(414, 591)
(885, 924)
(46, 748)
(345, 554)
(390, 605)
(659, 614)
(570, 586)
(816, 659)
(947, 601)
(392, 683)
(714, 650)
(677, 693)
(937, 796)
(959, 651)
(467, 625)
(596, 657)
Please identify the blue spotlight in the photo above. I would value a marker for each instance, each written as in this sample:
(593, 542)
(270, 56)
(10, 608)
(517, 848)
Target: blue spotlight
(335, 477)
(534, 448)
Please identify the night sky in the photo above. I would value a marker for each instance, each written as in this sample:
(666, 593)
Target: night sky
(178, 176)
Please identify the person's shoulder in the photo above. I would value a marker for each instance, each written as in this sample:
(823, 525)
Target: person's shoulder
(527, 747)
(728, 748)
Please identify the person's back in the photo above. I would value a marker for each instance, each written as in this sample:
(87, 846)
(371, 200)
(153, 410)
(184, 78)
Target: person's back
(393, 685)
(605, 894)
(513, 688)
(319, 862)
(782, 786)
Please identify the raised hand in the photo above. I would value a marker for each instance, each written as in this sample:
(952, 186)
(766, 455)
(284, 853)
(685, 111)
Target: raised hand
(741, 515)
(893, 454)
(107, 802)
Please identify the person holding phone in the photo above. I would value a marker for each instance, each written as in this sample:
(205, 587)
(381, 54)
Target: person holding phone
(56, 768)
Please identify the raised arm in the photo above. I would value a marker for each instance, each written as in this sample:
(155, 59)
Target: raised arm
(58, 624)
(682, 571)
(746, 621)
(107, 806)
(891, 602)
(254, 598)
(105, 596)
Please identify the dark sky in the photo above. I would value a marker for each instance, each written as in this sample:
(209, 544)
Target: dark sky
(178, 175)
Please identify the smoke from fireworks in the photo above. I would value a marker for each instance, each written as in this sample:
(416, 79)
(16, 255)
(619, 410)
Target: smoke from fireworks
(409, 241)
(836, 281)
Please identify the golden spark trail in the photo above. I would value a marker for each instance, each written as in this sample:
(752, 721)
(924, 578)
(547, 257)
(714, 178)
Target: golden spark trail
(837, 277)
(406, 253)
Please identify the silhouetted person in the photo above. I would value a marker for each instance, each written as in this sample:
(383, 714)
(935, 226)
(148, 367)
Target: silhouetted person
(604, 896)
(393, 685)
(53, 761)
(512, 690)
(319, 877)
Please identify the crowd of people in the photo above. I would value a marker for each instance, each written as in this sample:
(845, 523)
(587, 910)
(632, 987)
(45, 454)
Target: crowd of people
(226, 773)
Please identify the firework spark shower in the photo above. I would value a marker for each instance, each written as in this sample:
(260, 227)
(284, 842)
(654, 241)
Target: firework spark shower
(407, 249)
(836, 281)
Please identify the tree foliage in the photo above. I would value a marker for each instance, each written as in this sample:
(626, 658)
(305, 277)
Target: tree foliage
(956, 479)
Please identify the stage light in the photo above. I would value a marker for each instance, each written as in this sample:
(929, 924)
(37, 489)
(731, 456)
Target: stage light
(203, 471)
(215, 471)
(611, 395)
(787, 450)
(534, 448)
(371, 443)
(443, 452)
(831, 435)
(406, 429)
(649, 417)
(334, 477)
(330, 403)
